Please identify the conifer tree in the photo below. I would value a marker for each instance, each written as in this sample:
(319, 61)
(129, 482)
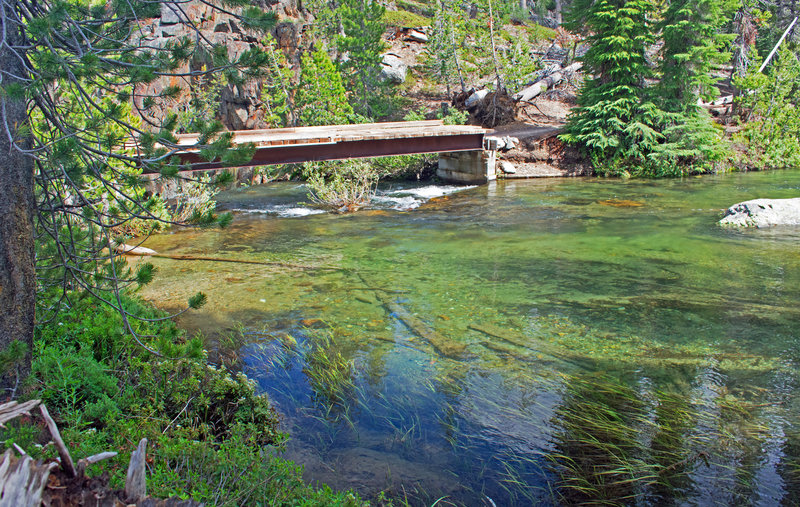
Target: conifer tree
(693, 45)
(277, 90)
(613, 122)
(321, 97)
(360, 47)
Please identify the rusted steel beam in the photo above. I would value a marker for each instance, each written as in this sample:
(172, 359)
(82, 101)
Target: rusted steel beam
(365, 148)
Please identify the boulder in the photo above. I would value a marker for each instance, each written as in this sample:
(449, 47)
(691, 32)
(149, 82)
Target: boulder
(393, 68)
(507, 167)
(476, 98)
(169, 14)
(763, 213)
(416, 36)
(509, 143)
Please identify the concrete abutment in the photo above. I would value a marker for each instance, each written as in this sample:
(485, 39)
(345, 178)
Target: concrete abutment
(468, 167)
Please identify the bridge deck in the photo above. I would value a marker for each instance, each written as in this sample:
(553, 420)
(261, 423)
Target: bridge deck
(332, 142)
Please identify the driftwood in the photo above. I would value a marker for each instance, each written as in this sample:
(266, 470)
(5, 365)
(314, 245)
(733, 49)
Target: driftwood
(22, 481)
(125, 249)
(135, 483)
(12, 410)
(546, 83)
(66, 460)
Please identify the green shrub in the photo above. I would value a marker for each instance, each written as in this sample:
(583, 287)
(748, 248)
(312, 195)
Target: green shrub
(403, 19)
(341, 186)
(772, 137)
(538, 33)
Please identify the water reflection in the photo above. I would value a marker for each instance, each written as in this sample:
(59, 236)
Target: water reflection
(524, 343)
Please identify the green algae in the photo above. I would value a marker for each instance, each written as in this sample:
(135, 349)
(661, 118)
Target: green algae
(530, 307)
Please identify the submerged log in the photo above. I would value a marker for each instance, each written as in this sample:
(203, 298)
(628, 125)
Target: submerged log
(183, 257)
(525, 342)
(443, 345)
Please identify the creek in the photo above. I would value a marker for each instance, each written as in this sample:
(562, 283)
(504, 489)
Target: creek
(525, 342)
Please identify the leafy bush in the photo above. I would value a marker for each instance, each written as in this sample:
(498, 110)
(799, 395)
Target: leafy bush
(341, 186)
(771, 102)
(403, 19)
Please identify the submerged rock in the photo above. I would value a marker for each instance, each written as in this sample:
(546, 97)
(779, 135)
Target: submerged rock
(763, 213)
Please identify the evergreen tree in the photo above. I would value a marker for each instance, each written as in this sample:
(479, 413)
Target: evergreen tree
(614, 120)
(321, 97)
(360, 47)
(693, 45)
(277, 90)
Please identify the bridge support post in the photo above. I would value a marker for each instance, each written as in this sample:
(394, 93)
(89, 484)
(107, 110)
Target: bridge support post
(467, 167)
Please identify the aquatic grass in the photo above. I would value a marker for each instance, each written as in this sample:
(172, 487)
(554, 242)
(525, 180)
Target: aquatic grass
(329, 373)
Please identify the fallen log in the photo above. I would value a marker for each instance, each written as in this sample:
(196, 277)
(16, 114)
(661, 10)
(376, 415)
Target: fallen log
(546, 83)
(525, 342)
(182, 257)
(125, 249)
(443, 345)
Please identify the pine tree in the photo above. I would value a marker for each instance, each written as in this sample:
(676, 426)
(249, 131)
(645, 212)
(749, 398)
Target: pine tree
(693, 45)
(277, 89)
(321, 97)
(360, 47)
(613, 122)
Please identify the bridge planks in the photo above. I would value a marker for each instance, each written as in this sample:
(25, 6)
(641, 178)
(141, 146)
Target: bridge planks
(331, 142)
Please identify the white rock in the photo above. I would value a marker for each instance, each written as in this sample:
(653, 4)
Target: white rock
(169, 16)
(763, 213)
(510, 142)
(393, 68)
(507, 167)
(476, 97)
(417, 36)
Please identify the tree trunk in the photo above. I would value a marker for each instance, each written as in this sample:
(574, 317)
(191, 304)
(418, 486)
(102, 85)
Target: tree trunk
(17, 204)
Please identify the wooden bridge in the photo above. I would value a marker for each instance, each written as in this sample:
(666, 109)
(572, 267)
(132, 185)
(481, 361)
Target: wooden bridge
(365, 140)
(336, 142)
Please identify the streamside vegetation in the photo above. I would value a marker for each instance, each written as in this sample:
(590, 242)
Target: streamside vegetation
(652, 69)
(212, 437)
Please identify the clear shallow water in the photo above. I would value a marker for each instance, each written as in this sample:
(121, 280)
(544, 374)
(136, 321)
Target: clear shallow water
(495, 333)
